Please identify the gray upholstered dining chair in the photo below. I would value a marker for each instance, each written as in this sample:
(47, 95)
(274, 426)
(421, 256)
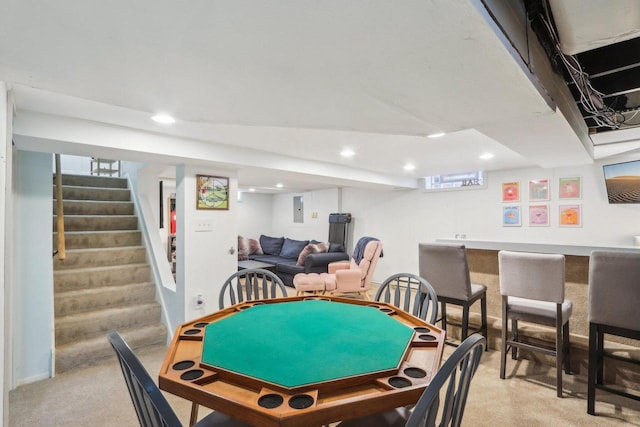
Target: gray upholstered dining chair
(250, 284)
(532, 288)
(454, 378)
(411, 293)
(614, 298)
(445, 267)
(151, 406)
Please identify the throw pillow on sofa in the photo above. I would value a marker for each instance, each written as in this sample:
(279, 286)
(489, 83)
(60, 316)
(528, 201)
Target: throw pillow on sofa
(243, 248)
(291, 248)
(254, 247)
(271, 245)
(312, 248)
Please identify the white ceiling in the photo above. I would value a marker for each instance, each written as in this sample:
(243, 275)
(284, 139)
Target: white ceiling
(300, 77)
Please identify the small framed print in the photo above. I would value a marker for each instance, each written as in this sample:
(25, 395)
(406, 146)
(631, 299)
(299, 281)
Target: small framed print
(212, 192)
(511, 192)
(570, 188)
(539, 215)
(570, 215)
(538, 190)
(511, 216)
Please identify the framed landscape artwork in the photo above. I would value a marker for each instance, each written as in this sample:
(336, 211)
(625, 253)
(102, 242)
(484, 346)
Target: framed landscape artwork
(212, 192)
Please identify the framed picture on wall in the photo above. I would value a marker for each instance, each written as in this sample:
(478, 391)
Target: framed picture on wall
(511, 216)
(570, 188)
(212, 192)
(538, 190)
(570, 215)
(539, 215)
(511, 192)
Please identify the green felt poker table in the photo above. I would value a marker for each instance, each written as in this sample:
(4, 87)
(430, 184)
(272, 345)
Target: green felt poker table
(302, 361)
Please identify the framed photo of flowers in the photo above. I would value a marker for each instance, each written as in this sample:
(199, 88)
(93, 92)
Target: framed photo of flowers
(212, 192)
(511, 216)
(570, 215)
(539, 215)
(570, 188)
(538, 190)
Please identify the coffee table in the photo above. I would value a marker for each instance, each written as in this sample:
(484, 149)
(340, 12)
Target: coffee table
(243, 265)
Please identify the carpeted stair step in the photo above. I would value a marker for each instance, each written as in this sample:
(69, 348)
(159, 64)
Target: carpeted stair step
(92, 207)
(100, 257)
(97, 222)
(97, 349)
(81, 301)
(99, 239)
(92, 181)
(77, 327)
(93, 193)
(89, 278)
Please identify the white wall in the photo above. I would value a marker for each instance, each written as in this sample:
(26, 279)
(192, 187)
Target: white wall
(204, 258)
(402, 219)
(254, 212)
(6, 115)
(321, 203)
(33, 326)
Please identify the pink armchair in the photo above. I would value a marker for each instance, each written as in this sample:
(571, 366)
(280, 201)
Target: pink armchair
(352, 277)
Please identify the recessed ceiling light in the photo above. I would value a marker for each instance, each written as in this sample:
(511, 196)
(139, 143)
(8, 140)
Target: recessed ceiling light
(347, 152)
(436, 135)
(163, 118)
(487, 156)
(279, 185)
(252, 189)
(409, 167)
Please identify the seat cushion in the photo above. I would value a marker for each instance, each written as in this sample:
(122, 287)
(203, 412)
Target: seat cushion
(477, 290)
(540, 308)
(308, 282)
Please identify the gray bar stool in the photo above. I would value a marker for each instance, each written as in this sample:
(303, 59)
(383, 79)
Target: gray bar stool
(614, 299)
(532, 288)
(445, 267)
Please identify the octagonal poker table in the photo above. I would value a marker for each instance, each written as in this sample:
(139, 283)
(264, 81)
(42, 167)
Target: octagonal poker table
(303, 361)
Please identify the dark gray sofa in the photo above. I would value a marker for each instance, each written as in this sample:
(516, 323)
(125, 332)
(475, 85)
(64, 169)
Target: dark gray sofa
(284, 253)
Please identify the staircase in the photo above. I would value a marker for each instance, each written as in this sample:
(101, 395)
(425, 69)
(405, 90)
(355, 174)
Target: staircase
(104, 282)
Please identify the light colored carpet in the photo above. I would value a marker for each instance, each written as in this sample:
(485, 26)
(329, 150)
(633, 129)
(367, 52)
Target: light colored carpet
(97, 396)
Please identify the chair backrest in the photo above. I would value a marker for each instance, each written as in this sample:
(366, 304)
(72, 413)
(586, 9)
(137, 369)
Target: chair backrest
(445, 267)
(411, 293)
(369, 260)
(456, 373)
(250, 284)
(151, 406)
(614, 288)
(532, 275)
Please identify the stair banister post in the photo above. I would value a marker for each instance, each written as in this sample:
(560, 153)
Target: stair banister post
(61, 244)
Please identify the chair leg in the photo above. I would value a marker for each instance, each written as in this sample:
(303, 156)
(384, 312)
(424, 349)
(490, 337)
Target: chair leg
(194, 414)
(567, 348)
(444, 316)
(485, 327)
(600, 359)
(514, 337)
(593, 367)
(503, 344)
(465, 322)
(559, 355)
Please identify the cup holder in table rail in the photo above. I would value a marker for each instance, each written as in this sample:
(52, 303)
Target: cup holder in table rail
(271, 400)
(424, 335)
